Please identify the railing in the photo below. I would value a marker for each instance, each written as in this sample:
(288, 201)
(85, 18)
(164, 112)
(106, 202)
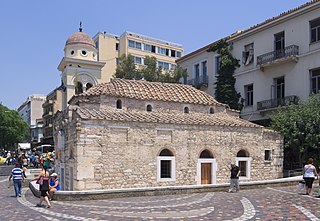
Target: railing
(292, 50)
(198, 81)
(268, 104)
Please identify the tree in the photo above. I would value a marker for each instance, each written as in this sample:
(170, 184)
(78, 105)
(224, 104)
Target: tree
(13, 129)
(225, 91)
(127, 69)
(151, 72)
(174, 75)
(300, 126)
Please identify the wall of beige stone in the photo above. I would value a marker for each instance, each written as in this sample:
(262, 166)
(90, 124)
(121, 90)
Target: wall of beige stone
(111, 155)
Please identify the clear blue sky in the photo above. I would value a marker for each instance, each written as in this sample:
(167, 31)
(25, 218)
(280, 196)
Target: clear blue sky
(33, 33)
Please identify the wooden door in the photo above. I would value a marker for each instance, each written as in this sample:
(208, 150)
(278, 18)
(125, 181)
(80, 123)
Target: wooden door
(206, 173)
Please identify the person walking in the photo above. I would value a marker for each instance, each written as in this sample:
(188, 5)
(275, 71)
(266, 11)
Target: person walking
(234, 178)
(43, 181)
(18, 176)
(309, 174)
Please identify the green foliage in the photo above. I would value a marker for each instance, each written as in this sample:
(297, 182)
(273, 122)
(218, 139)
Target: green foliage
(300, 126)
(127, 69)
(225, 91)
(150, 72)
(13, 129)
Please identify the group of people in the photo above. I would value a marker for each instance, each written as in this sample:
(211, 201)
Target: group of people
(48, 184)
(29, 159)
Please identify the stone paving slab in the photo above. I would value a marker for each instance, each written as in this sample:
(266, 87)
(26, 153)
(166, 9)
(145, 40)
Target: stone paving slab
(270, 203)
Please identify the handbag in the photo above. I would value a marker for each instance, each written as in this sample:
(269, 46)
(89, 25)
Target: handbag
(40, 181)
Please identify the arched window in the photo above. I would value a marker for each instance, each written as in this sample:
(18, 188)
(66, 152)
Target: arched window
(166, 166)
(211, 111)
(119, 104)
(88, 86)
(186, 110)
(243, 160)
(78, 88)
(206, 154)
(149, 108)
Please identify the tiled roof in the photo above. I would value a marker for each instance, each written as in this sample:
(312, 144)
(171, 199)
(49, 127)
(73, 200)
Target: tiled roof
(80, 38)
(219, 119)
(229, 38)
(144, 90)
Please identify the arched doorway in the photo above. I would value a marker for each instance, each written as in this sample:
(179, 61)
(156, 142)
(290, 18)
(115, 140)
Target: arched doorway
(206, 168)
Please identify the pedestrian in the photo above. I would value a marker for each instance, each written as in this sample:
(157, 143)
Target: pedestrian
(309, 174)
(18, 176)
(234, 178)
(54, 185)
(43, 181)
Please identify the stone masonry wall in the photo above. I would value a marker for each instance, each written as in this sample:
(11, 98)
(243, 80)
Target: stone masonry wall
(113, 155)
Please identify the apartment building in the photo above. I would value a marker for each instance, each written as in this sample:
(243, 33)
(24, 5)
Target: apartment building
(31, 112)
(279, 62)
(111, 47)
(52, 104)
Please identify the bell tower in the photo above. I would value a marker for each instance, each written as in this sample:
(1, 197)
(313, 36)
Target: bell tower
(80, 68)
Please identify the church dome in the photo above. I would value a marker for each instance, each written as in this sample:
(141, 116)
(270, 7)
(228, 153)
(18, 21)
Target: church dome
(80, 38)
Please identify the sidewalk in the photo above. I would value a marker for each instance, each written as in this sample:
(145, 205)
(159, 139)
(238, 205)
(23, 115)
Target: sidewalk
(155, 191)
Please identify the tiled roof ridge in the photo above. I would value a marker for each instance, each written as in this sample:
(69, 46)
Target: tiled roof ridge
(218, 119)
(206, 47)
(145, 90)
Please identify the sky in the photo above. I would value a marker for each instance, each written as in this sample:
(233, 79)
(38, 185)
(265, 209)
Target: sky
(33, 33)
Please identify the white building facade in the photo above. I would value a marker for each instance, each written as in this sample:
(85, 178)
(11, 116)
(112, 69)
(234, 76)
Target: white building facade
(279, 62)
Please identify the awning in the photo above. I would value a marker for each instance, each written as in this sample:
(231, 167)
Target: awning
(24, 146)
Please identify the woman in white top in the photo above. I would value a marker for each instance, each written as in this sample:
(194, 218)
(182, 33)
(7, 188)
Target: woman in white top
(309, 174)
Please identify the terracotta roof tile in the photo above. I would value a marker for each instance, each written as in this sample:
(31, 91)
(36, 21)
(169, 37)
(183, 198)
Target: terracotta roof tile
(220, 119)
(144, 90)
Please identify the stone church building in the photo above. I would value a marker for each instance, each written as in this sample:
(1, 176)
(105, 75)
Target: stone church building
(130, 134)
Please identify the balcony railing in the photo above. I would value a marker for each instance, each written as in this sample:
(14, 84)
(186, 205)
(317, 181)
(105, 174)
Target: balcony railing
(292, 50)
(279, 102)
(199, 81)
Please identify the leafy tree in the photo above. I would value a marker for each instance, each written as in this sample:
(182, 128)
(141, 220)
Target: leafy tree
(13, 129)
(127, 69)
(300, 126)
(151, 72)
(225, 91)
(173, 75)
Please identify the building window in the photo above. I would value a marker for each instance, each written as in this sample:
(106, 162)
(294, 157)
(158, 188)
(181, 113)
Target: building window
(153, 49)
(134, 44)
(149, 108)
(315, 30)
(218, 64)
(161, 50)
(117, 46)
(173, 53)
(206, 154)
(137, 60)
(131, 43)
(164, 65)
(166, 166)
(119, 104)
(178, 54)
(267, 155)
(211, 111)
(248, 54)
(204, 71)
(279, 88)
(147, 47)
(279, 45)
(78, 88)
(248, 90)
(244, 162)
(315, 81)
(196, 72)
(186, 110)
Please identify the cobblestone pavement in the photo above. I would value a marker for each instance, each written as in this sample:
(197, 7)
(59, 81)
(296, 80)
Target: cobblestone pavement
(276, 203)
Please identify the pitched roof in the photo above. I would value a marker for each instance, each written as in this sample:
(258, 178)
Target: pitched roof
(144, 90)
(219, 119)
(236, 34)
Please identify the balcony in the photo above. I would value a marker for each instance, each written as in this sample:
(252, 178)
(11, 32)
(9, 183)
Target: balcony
(279, 102)
(47, 103)
(47, 114)
(199, 81)
(289, 53)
